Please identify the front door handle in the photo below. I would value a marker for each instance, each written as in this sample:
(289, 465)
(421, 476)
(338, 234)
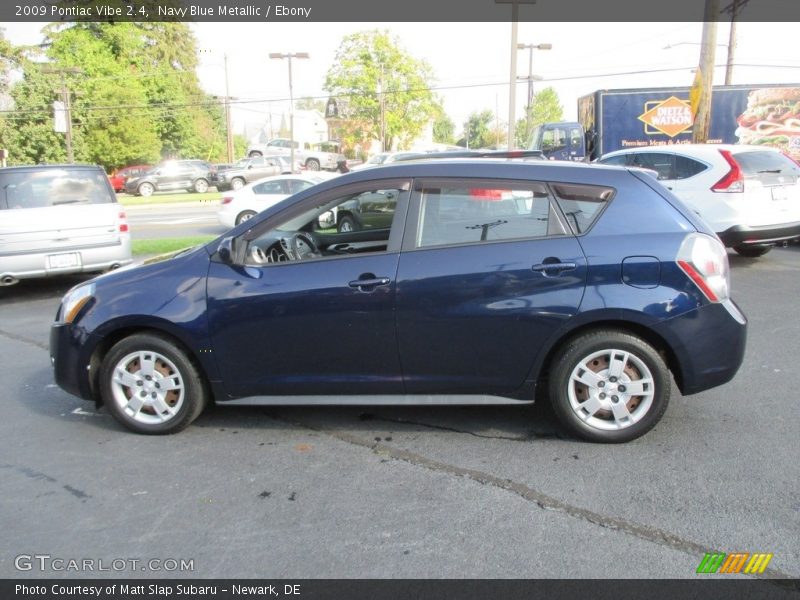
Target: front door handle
(369, 283)
(550, 269)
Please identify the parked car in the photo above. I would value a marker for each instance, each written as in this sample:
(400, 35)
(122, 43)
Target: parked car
(312, 156)
(172, 175)
(120, 176)
(494, 278)
(749, 195)
(249, 200)
(248, 170)
(57, 219)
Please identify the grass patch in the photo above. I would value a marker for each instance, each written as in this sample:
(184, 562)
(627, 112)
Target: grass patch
(168, 198)
(162, 246)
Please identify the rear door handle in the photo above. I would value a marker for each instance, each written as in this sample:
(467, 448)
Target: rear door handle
(550, 269)
(367, 285)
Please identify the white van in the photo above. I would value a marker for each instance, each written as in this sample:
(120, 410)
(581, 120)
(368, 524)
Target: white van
(57, 219)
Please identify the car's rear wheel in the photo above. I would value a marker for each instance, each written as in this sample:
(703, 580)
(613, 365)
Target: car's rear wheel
(146, 189)
(200, 186)
(752, 251)
(312, 164)
(346, 223)
(609, 386)
(237, 183)
(254, 154)
(245, 215)
(151, 386)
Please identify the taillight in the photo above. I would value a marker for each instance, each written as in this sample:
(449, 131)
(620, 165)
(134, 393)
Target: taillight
(705, 261)
(227, 199)
(123, 223)
(734, 179)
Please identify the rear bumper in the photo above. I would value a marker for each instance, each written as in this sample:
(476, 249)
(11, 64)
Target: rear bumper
(741, 235)
(100, 257)
(710, 349)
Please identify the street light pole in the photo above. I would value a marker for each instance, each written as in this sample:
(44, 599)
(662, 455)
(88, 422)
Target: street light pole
(65, 94)
(531, 77)
(289, 56)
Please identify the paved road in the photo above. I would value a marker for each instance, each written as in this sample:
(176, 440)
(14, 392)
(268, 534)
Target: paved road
(174, 220)
(407, 492)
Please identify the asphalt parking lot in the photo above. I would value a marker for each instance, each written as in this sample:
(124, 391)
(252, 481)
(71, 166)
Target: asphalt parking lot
(454, 492)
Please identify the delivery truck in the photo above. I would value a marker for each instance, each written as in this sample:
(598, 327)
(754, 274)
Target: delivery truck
(611, 120)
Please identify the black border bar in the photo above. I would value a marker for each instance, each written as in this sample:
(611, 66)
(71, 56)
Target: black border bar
(284, 11)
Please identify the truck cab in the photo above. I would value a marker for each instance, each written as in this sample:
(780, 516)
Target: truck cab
(559, 141)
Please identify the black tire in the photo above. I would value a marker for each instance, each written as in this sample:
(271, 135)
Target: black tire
(346, 224)
(752, 251)
(254, 154)
(237, 183)
(200, 186)
(170, 365)
(312, 164)
(589, 355)
(145, 189)
(245, 215)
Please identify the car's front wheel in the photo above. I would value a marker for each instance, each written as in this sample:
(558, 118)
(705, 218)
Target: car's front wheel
(150, 385)
(200, 186)
(609, 386)
(237, 183)
(312, 164)
(752, 251)
(346, 224)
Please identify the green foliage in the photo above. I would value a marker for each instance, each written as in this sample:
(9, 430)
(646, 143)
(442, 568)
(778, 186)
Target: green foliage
(478, 130)
(546, 108)
(380, 87)
(310, 104)
(444, 130)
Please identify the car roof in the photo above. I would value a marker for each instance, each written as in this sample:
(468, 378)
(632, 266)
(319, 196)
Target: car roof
(49, 166)
(692, 149)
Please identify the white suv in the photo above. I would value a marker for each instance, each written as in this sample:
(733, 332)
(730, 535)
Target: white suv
(749, 195)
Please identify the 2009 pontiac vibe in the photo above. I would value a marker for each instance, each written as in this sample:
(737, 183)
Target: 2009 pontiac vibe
(454, 281)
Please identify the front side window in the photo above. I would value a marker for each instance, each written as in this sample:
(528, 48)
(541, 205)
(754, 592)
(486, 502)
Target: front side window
(271, 187)
(475, 213)
(353, 223)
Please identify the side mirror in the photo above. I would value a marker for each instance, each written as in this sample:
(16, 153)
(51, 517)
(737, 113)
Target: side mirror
(225, 251)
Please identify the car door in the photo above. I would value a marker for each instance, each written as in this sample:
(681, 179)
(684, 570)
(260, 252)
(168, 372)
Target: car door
(318, 325)
(486, 276)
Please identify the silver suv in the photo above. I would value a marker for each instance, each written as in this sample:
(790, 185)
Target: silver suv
(58, 219)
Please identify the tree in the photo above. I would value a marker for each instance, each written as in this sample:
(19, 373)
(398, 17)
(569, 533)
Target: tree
(478, 132)
(380, 89)
(310, 104)
(545, 108)
(444, 130)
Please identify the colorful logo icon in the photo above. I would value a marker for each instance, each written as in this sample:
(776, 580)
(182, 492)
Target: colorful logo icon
(671, 117)
(738, 562)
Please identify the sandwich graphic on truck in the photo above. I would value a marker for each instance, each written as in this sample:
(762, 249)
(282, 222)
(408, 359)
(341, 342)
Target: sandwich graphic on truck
(610, 120)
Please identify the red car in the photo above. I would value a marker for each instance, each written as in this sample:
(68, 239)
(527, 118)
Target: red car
(118, 178)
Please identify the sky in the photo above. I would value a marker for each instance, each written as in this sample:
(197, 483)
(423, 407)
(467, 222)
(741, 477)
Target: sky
(471, 61)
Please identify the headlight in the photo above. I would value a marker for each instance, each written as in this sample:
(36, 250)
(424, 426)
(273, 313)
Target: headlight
(75, 300)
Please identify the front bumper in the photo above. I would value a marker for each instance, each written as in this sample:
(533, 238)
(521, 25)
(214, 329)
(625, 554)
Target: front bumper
(70, 360)
(742, 235)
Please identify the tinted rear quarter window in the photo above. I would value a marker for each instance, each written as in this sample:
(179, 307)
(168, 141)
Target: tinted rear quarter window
(581, 204)
(770, 168)
(53, 187)
(686, 167)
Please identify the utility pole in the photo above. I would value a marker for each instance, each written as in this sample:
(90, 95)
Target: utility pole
(734, 10)
(65, 98)
(289, 56)
(228, 113)
(706, 72)
(512, 91)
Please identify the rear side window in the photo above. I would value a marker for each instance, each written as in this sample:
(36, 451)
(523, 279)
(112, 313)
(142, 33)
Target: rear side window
(467, 213)
(53, 187)
(770, 168)
(581, 204)
(660, 162)
(686, 167)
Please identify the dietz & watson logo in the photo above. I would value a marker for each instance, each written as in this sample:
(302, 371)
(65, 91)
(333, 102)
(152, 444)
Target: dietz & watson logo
(738, 562)
(671, 117)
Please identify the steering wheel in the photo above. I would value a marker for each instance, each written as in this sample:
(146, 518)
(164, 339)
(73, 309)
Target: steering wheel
(263, 257)
(304, 246)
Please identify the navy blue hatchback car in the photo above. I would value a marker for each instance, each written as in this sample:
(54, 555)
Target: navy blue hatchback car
(467, 281)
